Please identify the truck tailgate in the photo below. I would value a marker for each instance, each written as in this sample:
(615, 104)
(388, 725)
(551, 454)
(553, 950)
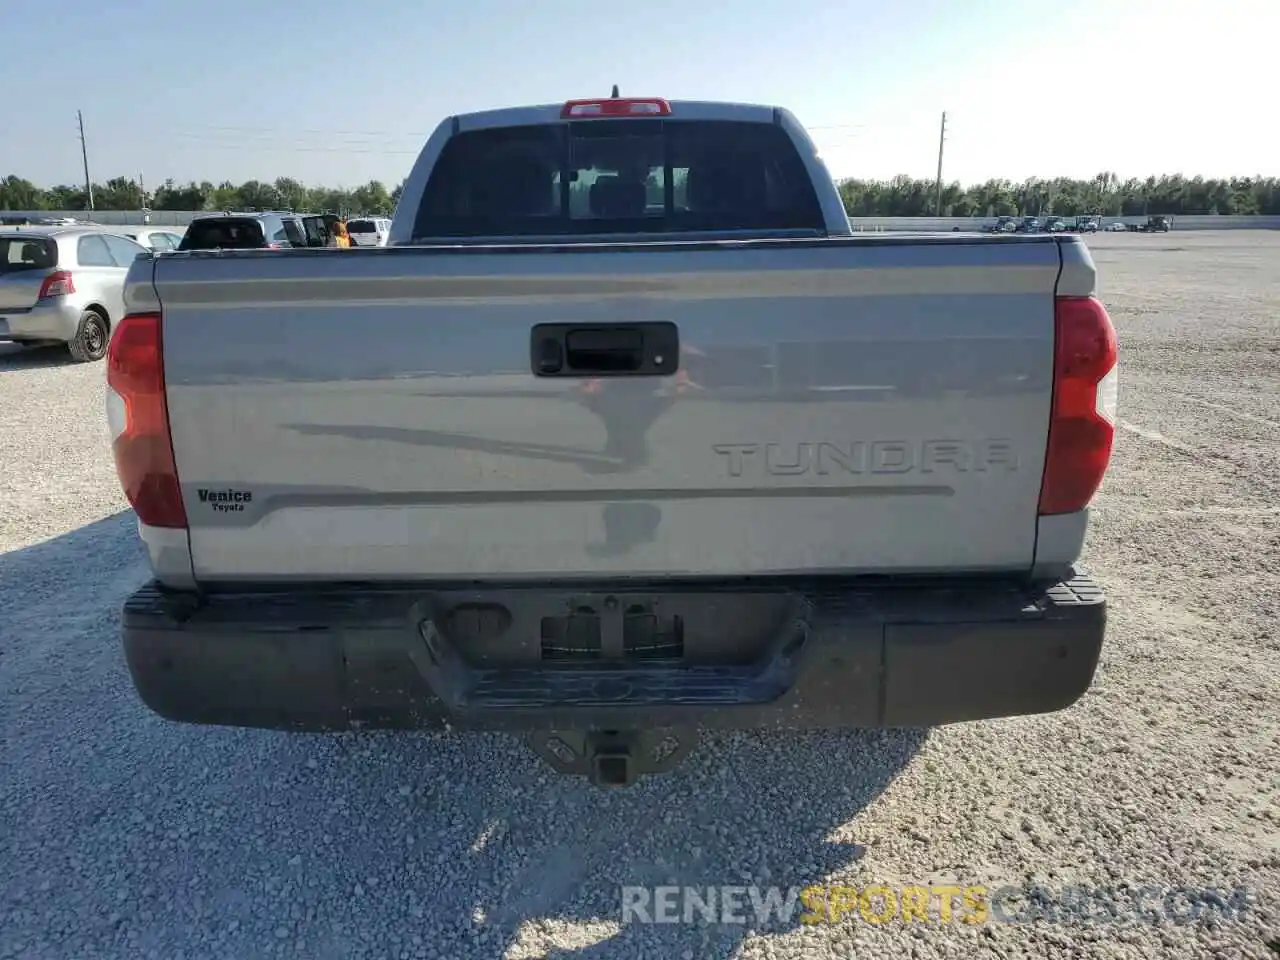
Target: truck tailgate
(865, 405)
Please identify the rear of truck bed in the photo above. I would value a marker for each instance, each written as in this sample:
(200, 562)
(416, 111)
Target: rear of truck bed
(845, 407)
(602, 488)
(383, 509)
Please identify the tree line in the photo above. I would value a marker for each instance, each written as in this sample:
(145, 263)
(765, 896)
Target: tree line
(903, 196)
(125, 193)
(1105, 195)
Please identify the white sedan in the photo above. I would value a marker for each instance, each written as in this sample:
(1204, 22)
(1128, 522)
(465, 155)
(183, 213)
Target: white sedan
(156, 239)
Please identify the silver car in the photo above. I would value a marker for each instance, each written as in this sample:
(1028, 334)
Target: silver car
(63, 285)
(155, 239)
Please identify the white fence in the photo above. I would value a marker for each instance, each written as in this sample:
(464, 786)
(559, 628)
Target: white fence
(159, 218)
(180, 218)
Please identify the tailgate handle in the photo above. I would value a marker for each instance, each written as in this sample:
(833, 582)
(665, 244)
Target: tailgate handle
(608, 350)
(600, 350)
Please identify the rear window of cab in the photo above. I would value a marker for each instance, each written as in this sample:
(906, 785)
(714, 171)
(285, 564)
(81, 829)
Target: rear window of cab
(618, 176)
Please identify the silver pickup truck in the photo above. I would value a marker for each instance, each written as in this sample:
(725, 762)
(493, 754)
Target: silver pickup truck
(625, 435)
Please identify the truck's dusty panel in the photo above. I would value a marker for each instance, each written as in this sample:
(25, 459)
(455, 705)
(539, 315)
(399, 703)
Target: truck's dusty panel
(851, 407)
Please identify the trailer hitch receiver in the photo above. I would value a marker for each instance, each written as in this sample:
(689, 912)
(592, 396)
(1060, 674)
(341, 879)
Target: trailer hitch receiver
(613, 758)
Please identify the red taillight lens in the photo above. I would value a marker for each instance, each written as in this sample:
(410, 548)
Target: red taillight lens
(616, 107)
(139, 418)
(57, 284)
(1082, 423)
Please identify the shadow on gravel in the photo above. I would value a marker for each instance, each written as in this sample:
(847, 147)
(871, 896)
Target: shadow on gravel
(132, 836)
(522, 863)
(746, 810)
(50, 593)
(14, 356)
(68, 567)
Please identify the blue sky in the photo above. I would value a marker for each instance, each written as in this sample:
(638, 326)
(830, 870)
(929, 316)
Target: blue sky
(237, 90)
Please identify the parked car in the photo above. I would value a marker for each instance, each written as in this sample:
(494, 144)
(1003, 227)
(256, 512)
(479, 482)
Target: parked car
(1002, 225)
(159, 241)
(1029, 225)
(369, 231)
(1085, 224)
(244, 231)
(63, 285)
(1156, 223)
(1117, 226)
(393, 510)
(316, 229)
(1055, 225)
(24, 220)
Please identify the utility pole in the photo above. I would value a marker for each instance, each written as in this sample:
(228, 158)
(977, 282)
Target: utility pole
(84, 155)
(942, 139)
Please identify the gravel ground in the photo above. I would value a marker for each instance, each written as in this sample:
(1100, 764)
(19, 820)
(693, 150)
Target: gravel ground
(122, 835)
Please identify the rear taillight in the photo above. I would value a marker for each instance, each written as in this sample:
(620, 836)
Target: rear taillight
(57, 284)
(139, 417)
(1082, 422)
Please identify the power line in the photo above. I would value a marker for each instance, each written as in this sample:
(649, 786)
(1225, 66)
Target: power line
(277, 136)
(274, 141)
(223, 137)
(231, 130)
(837, 126)
(287, 148)
(243, 143)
